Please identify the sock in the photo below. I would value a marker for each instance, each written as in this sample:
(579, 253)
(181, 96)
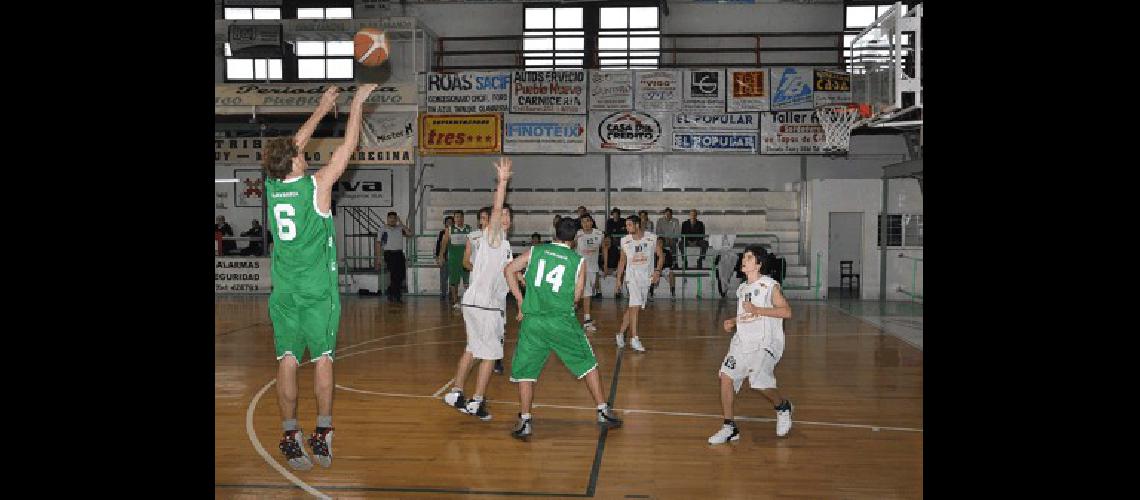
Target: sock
(587, 317)
(457, 389)
(728, 421)
(603, 407)
(324, 420)
(478, 397)
(524, 416)
(289, 425)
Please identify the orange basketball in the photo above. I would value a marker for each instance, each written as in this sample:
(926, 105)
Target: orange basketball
(370, 47)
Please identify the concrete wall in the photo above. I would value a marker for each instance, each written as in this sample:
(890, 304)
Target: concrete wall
(863, 195)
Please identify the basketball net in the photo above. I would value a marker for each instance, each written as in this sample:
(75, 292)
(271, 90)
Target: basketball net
(837, 121)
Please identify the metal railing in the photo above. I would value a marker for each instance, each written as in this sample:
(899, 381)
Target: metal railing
(682, 254)
(756, 44)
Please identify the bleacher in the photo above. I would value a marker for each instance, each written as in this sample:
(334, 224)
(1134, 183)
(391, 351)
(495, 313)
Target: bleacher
(733, 210)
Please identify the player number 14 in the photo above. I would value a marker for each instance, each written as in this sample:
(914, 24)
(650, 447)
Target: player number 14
(554, 277)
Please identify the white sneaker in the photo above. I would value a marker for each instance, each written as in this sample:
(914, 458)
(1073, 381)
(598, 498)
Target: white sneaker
(636, 344)
(620, 340)
(784, 421)
(455, 400)
(726, 433)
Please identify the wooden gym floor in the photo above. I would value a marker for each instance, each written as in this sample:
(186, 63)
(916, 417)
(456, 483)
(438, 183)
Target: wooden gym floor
(857, 393)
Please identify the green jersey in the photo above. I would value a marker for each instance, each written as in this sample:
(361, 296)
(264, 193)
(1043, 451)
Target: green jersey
(304, 250)
(459, 239)
(551, 276)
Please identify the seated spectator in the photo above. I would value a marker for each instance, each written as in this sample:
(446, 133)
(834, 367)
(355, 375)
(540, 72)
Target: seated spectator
(255, 247)
(667, 228)
(646, 224)
(229, 247)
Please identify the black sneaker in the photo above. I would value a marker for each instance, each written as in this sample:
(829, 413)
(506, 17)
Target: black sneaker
(455, 399)
(606, 418)
(597, 295)
(522, 429)
(498, 367)
(478, 409)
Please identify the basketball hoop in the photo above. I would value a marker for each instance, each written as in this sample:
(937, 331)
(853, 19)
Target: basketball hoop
(837, 120)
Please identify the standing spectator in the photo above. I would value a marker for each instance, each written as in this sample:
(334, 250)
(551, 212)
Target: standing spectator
(229, 247)
(615, 225)
(441, 256)
(581, 213)
(611, 254)
(390, 243)
(456, 238)
(694, 226)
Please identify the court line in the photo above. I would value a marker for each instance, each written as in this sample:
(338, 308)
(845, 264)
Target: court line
(441, 389)
(410, 490)
(265, 455)
(904, 340)
(342, 349)
(252, 434)
(653, 412)
(389, 394)
(605, 430)
(240, 329)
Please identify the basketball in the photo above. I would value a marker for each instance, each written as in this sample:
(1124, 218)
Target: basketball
(370, 47)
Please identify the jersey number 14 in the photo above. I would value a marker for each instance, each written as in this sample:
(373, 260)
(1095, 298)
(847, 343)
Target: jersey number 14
(554, 277)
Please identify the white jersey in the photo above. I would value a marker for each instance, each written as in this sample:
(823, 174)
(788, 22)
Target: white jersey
(589, 247)
(488, 286)
(640, 255)
(755, 332)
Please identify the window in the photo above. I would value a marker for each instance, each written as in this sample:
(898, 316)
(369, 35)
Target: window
(252, 69)
(873, 48)
(628, 37)
(860, 16)
(324, 60)
(252, 13)
(553, 37)
(324, 13)
(903, 230)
